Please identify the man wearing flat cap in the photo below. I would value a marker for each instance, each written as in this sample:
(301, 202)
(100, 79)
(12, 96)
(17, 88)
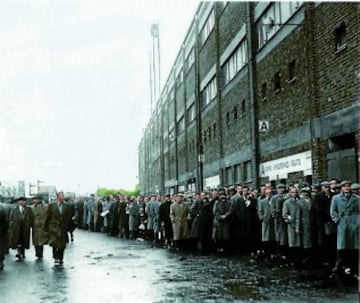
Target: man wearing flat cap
(20, 222)
(345, 212)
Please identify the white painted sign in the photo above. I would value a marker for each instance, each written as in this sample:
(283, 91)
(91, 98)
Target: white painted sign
(263, 126)
(212, 182)
(279, 168)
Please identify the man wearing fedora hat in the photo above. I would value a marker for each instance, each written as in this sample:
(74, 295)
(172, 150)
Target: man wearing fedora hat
(20, 222)
(345, 212)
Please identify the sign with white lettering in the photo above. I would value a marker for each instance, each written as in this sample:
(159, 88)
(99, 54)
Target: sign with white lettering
(279, 168)
(212, 182)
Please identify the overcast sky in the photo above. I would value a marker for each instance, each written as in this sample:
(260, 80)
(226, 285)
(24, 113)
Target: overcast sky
(74, 87)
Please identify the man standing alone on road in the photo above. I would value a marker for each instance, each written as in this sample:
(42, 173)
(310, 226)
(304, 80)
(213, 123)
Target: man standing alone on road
(57, 224)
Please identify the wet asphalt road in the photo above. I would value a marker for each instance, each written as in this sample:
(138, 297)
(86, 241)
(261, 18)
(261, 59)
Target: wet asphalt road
(98, 268)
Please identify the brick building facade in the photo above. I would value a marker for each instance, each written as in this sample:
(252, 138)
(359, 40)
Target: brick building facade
(259, 91)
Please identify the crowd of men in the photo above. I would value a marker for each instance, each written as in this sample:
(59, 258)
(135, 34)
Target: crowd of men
(44, 224)
(308, 225)
(315, 225)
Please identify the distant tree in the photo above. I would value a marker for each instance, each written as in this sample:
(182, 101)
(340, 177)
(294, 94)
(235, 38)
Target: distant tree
(105, 191)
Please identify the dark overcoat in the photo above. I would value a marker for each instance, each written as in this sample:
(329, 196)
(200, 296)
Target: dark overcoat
(39, 233)
(221, 223)
(58, 225)
(19, 226)
(164, 218)
(3, 228)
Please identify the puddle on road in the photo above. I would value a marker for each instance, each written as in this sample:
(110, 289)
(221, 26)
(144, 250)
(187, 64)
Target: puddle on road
(242, 291)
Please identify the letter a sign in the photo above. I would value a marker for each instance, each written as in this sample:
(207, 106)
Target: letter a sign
(263, 126)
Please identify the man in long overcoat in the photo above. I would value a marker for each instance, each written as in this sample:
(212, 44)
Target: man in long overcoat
(195, 210)
(133, 218)
(325, 235)
(39, 234)
(179, 212)
(20, 222)
(277, 202)
(123, 209)
(267, 224)
(3, 234)
(345, 212)
(79, 211)
(113, 216)
(221, 223)
(57, 224)
(290, 214)
(165, 221)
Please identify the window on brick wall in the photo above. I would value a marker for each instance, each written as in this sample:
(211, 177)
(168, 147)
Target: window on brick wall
(208, 26)
(179, 78)
(209, 133)
(340, 37)
(243, 106)
(264, 91)
(235, 62)
(277, 82)
(291, 68)
(191, 113)
(190, 60)
(229, 175)
(227, 119)
(214, 130)
(275, 17)
(247, 171)
(238, 173)
(235, 113)
(209, 92)
(181, 125)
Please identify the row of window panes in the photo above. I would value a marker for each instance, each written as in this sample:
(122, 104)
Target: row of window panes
(208, 26)
(209, 92)
(274, 17)
(191, 113)
(181, 125)
(235, 63)
(179, 78)
(190, 59)
(238, 173)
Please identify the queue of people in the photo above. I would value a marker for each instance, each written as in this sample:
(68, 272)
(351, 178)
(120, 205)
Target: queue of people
(310, 225)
